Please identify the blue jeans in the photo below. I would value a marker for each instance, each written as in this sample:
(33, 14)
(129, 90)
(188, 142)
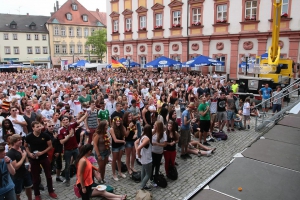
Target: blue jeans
(10, 195)
(146, 174)
(139, 128)
(68, 155)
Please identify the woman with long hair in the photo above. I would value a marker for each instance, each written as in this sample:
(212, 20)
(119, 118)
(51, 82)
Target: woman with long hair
(130, 137)
(159, 141)
(101, 143)
(163, 99)
(117, 133)
(178, 112)
(163, 116)
(85, 176)
(8, 129)
(170, 148)
(173, 117)
(144, 153)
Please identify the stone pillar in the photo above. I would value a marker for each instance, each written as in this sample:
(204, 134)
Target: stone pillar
(294, 52)
(206, 43)
(149, 52)
(121, 47)
(184, 46)
(234, 58)
(109, 52)
(166, 48)
(134, 53)
(262, 45)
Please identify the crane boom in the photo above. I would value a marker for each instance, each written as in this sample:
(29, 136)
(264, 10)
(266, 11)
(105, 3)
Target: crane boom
(274, 49)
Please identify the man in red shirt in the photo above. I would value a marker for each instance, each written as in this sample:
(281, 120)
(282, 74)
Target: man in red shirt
(66, 136)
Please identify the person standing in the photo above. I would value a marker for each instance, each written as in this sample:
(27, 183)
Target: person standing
(221, 111)
(91, 122)
(84, 97)
(118, 112)
(7, 187)
(37, 145)
(266, 93)
(110, 105)
(204, 111)
(277, 100)
(235, 86)
(246, 112)
(230, 111)
(19, 159)
(18, 121)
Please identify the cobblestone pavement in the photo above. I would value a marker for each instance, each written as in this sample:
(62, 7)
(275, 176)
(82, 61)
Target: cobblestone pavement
(191, 172)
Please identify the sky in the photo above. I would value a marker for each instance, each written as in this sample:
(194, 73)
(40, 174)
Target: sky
(44, 7)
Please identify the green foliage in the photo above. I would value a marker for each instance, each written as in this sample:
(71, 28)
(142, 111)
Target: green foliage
(98, 41)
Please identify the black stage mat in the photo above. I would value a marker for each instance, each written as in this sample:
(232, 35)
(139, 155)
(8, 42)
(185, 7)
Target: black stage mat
(292, 121)
(259, 181)
(274, 152)
(284, 134)
(210, 195)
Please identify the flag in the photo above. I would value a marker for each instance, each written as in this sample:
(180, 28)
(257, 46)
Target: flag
(116, 64)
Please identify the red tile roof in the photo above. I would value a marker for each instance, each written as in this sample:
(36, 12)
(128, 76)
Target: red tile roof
(101, 16)
(60, 15)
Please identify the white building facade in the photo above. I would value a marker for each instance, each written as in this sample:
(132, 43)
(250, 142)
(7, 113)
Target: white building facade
(223, 29)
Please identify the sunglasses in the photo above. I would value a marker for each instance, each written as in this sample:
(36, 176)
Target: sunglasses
(51, 126)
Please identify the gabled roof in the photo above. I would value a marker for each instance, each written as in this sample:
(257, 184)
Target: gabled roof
(61, 18)
(101, 16)
(23, 23)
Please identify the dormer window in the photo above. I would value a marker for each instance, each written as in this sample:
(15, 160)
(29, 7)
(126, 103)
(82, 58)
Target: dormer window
(32, 26)
(85, 18)
(69, 16)
(13, 25)
(74, 6)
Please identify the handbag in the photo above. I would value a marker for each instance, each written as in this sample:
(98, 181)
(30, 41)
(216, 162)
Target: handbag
(161, 181)
(172, 172)
(76, 191)
(136, 176)
(143, 195)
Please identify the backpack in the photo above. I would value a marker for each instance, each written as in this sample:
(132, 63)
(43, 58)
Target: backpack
(172, 173)
(136, 176)
(143, 195)
(161, 181)
(220, 135)
(123, 167)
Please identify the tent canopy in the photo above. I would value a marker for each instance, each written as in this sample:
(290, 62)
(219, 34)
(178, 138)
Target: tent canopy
(79, 63)
(163, 62)
(202, 61)
(124, 61)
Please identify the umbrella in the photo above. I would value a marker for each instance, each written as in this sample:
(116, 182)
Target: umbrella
(79, 63)
(124, 61)
(264, 56)
(202, 61)
(163, 62)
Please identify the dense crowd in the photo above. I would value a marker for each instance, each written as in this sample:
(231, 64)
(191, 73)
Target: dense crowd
(48, 116)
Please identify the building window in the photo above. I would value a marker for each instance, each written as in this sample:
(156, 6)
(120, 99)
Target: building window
(85, 18)
(13, 26)
(55, 30)
(93, 30)
(72, 49)
(78, 31)
(28, 37)
(143, 22)
(37, 50)
(116, 25)
(143, 61)
(7, 50)
(222, 13)
(177, 58)
(15, 36)
(29, 50)
(74, 6)
(158, 19)
(251, 9)
(219, 68)
(36, 37)
(285, 7)
(5, 36)
(86, 32)
(44, 37)
(176, 17)
(63, 31)
(196, 15)
(93, 48)
(79, 49)
(32, 27)
(86, 49)
(64, 49)
(45, 50)
(71, 33)
(69, 16)
(16, 50)
(56, 48)
(128, 24)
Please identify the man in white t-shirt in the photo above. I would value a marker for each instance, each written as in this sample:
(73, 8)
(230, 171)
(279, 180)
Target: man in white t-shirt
(18, 121)
(144, 91)
(47, 112)
(13, 95)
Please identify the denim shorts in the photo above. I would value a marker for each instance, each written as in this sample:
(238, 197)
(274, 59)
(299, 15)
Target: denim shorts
(129, 144)
(117, 149)
(22, 181)
(104, 154)
(230, 115)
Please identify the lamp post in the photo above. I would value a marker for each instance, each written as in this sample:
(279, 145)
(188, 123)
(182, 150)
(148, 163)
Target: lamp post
(247, 57)
(128, 63)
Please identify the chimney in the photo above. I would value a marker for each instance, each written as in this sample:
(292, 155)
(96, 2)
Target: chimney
(97, 10)
(54, 8)
(57, 6)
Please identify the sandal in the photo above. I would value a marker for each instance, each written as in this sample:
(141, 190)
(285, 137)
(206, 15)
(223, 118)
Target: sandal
(115, 178)
(122, 175)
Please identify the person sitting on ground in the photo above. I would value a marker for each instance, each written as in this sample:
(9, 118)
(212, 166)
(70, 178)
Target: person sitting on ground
(193, 149)
(238, 120)
(253, 110)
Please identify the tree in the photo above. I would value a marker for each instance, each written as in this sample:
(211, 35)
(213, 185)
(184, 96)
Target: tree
(98, 41)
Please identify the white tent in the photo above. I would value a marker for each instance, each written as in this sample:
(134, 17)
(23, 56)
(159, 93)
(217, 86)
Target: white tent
(99, 66)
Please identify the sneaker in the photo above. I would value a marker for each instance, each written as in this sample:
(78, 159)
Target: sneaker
(211, 140)
(38, 197)
(206, 144)
(53, 195)
(122, 175)
(60, 179)
(208, 153)
(115, 178)
(153, 184)
(67, 183)
(208, 138)
(183, 157)
(248, 126)
(147, 188)
(188, 156)
(232, 129)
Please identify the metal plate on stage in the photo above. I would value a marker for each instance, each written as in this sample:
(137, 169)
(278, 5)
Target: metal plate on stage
(292, 121)
(274, 152)
(284, 134)
(258, 181)
(210, 195)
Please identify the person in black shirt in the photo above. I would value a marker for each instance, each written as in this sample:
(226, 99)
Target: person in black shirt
(18, 156)
(221, 111)
(201, 90)
(118, 112)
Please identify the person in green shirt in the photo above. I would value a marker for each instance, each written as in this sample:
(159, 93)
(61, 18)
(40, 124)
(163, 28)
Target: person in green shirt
(204, 111)
(235, 87)
(21, 92)
(102, 113)
(84, 97)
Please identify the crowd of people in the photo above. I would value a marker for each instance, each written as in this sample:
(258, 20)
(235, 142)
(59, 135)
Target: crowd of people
(51, 115)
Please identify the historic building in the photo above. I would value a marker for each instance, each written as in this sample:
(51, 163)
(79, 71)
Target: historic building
(227, 30)
(69, 27)
(24, 40)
